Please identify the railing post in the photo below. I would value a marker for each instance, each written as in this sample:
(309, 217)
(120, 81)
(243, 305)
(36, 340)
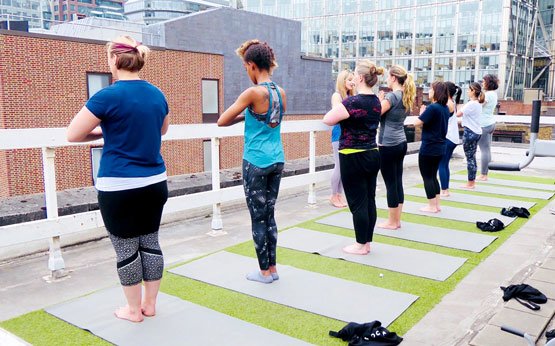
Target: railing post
(217, 223)
(56, 263)
(312, 169)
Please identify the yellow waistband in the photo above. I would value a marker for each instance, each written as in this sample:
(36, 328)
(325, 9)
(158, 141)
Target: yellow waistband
(354, 151)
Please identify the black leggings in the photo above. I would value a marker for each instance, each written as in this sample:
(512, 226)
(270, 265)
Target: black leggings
(391, 165)
(358, 175)
(428, 169)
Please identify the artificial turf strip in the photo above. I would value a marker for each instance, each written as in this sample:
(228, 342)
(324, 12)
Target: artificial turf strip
(493, 174)
(41, 328)
(430, 291)
(299, 324)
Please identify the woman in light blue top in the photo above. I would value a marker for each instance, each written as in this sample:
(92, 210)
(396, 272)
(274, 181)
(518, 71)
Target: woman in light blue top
(344, 88)
(263, 158)
(487, 121)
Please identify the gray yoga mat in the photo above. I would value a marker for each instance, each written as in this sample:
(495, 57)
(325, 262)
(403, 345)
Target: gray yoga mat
(420, 233)
(301, 289)
(450, 213)
(474, 199)
(177, 322)
(511, 183)
(507, 191)
(425, 264)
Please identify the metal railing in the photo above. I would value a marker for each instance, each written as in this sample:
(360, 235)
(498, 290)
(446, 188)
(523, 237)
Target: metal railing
(54, 226)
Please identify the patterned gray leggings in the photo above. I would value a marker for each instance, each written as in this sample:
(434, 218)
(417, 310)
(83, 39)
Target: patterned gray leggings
(261, 190)
(470, 144)
(139, 259)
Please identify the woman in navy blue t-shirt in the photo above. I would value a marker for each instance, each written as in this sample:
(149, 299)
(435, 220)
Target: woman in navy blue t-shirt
(131, 184)
(433, 120)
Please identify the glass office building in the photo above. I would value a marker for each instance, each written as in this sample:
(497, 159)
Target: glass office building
(24, 10)
(457, 40)
(154, 11)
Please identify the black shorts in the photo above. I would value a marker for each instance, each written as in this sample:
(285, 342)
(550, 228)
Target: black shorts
(135, 212)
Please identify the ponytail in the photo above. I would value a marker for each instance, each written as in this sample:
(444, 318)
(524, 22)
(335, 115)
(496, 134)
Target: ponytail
(407, 81)
(458, 94)
(454, 91)
(409, 93)
(476, 89)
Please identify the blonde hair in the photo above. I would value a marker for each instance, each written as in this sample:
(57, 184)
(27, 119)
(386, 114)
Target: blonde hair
(407, 81)
(340, 84)
(369, 71)
(259, 53)
(131, 55)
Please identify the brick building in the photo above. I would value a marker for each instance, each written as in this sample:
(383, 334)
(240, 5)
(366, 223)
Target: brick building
(45, 85)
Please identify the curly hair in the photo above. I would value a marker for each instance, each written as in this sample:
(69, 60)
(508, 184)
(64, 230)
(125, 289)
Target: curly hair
(259, 53)
(491, 82)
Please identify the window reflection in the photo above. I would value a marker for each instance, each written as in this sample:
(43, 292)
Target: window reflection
(349, 36)
(366, 38)
(445, 41)
(385, 34)
(490, 35)
(424, 30)
(405, 20)
(423, 72)
(468, 26)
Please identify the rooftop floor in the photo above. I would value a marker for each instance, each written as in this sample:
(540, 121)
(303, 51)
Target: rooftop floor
(456, 320)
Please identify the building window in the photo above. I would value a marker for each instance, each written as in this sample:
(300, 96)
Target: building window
(207, 151)
(96, 154)
(97, 81)
(210, 101)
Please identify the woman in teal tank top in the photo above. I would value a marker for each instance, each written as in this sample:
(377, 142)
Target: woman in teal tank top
(263, 157)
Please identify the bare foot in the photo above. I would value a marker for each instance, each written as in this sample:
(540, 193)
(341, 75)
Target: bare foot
(343, 202)
(428, 209)
(125, 313)
(468, 186)
(337, 202)
(387, 225)
(148, 310)
(482, 177)
(367, 247)
(356, 249)
(444, 193)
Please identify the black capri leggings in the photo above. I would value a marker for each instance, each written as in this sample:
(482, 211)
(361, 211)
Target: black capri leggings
(428, 169)
(391, 165)
(132, 218)
(358, 175)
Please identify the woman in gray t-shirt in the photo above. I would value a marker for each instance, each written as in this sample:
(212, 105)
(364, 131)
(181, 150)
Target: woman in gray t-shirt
(396, 105)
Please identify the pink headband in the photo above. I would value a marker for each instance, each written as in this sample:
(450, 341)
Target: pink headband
(120, 48)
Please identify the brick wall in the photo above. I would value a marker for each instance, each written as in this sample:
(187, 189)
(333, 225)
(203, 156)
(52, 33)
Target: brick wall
(44, 85)
(519, 108)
